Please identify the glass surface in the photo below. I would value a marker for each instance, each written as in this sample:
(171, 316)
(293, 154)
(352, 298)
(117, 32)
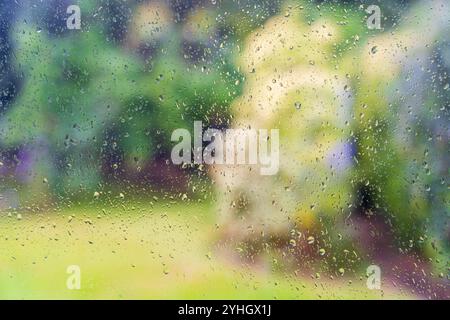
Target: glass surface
(216, 149)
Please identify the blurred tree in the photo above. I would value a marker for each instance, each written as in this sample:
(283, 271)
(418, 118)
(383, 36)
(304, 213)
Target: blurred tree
(358, 113)
(98, 90)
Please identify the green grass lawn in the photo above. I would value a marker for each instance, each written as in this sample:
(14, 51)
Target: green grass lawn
(142, 252)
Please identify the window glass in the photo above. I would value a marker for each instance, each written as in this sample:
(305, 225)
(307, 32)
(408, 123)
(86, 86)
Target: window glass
(276, 149)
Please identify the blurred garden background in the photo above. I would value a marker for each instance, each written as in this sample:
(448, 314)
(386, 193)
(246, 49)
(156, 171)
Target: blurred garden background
(86, 117)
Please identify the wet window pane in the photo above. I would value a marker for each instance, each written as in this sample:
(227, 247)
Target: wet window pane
(277, 149)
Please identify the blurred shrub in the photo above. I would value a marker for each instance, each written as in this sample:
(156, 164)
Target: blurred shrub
(360, 116)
